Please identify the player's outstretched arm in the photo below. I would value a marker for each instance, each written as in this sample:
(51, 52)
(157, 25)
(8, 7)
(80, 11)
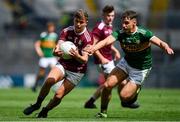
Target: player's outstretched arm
(92, 48)
(117, 55)
(98, 54)
(155, 40)
(108, 40)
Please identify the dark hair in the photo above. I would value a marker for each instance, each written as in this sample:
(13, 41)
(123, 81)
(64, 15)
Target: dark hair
(108, 9)
(81, 14)
(130, 14)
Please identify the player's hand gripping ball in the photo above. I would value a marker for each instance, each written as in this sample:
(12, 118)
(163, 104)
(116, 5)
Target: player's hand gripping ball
(66, 47)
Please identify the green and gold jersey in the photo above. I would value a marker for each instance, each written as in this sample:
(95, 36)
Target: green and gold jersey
(48, 42)
(136, 47)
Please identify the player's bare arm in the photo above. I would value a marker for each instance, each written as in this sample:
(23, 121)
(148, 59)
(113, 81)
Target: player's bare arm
(81, 58)
(38, 48)
(117, 55)
(98, 54)
(155, 40)
(109, 40)
(101, 57)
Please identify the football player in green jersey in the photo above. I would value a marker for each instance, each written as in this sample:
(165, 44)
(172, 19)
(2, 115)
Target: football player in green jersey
(44, 49)
(135, 66)
(103, 58)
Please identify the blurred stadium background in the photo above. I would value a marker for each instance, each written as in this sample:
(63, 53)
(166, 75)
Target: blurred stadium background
(22, 21)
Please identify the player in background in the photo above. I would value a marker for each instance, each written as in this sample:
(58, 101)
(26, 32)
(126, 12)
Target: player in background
(44, 49)
(104, 57)
(71, 70)
(135, 66)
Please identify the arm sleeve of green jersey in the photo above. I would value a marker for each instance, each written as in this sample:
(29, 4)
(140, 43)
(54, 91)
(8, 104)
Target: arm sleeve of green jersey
(115, 34)
(149, 35)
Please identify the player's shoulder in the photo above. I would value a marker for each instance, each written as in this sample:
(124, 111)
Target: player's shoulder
(69, 28)
(43, 34)
(100, 25)
(142, 30)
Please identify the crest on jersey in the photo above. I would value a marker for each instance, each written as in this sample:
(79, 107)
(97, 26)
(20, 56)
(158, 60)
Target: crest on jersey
(106, 32)
(80, 42)
(138, 41)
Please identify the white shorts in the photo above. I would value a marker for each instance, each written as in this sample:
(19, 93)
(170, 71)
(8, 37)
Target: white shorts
(106, 68)
(56, 86)
(73, 77)
(46, 62)
(134, 75)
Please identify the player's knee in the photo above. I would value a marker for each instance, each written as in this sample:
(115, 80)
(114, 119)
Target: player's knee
(58, 95)
(42, 73)
(125, 96)
(107, 86)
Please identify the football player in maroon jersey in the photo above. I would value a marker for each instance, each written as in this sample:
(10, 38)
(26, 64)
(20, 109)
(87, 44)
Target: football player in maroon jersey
(104, 57)
(71, 70)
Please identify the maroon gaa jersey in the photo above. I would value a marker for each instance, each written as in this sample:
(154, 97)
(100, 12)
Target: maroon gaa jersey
(81, 40)
(101, 31)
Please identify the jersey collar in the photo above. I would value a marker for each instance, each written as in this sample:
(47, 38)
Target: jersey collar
(80, 32)
(136, 28)
(106, 24)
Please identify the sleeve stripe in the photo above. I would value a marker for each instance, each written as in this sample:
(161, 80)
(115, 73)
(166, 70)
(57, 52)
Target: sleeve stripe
(87, 36)
(152, 37)
(101, 26)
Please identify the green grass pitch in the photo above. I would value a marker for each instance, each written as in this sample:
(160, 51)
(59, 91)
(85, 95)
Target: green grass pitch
(156, 105)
